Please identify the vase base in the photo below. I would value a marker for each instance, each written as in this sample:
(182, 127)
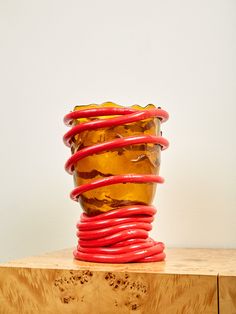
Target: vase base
(119, 236)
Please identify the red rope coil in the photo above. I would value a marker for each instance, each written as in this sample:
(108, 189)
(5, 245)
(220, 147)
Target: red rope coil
(120, 235)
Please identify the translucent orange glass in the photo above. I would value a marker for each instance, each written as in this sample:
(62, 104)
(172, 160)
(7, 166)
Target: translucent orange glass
(134, 159)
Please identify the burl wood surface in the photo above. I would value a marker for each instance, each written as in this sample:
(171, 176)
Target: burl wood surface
(55, 283)
(227, 292)
(227, 284)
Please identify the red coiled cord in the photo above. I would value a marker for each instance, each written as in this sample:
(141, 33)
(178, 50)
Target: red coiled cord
(120, 235)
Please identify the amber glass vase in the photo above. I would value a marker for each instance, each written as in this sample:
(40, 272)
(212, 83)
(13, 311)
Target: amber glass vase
(115, 164)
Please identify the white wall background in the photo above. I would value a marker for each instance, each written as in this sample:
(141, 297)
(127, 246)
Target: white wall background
(177, 54)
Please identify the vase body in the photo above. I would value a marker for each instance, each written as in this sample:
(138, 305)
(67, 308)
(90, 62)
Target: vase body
(132, 159)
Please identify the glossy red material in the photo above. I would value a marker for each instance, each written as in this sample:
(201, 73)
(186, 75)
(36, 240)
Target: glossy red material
(119, 235)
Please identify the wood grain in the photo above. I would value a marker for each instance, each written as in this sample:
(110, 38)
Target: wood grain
(227, 294)
(227, 283)
(178, 261)
(55, 283)
(68, 291)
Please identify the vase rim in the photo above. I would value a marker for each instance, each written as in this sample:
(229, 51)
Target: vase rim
(108, 104)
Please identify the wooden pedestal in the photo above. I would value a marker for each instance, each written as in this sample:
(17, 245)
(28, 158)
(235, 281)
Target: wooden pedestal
(190, 281)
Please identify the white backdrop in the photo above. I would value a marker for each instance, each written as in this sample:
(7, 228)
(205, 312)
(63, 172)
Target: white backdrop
(177, 54)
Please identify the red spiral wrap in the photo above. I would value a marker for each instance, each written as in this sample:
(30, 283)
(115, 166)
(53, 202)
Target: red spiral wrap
(120, 235)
